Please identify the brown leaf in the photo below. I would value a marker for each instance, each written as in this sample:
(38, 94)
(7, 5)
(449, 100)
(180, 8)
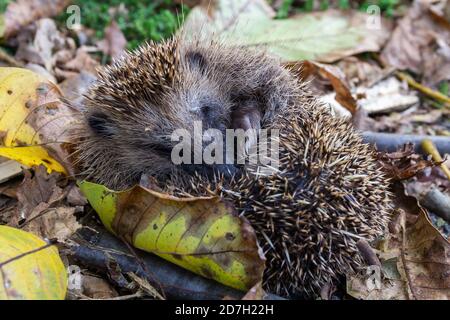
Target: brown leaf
(75, 86)
(420, 44)
(404, 163)
(114, 43)
(415, 265)
(22, 12)
(39, 206)
(97, 288)
(82, 62)
(331, 74)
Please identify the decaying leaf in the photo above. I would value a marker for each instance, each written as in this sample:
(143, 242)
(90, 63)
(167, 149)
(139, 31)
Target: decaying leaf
(30, 269)
(321, 36)
(404, 163)
(386, 96)
(200, 234)
(19, 13)
(415, 259)
(34, 124)
(114, 43)
(309, 70)
(40, 207)
(420, 44)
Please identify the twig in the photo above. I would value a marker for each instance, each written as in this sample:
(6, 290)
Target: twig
(4, 56)
(138, 294)
(93, 248)
(437, 202)
(429, 147)
(390, 142)
(436, 95)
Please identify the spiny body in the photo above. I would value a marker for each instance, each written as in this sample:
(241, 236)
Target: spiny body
(328, 192)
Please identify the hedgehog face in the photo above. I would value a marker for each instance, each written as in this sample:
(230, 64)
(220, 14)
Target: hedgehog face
(139, 101)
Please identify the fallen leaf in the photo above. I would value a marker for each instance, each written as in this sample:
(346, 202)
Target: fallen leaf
(33, 122)
(82, 62)
(310, 70)
(97, 288)
(22, 12)
(40, 208)
(404, 163)
(321, 36)
(75, 86)
(200, 234)
(30, 269)
(114, 43)
(386, 96)
(360, 72)
(420, 44)
(415, 259)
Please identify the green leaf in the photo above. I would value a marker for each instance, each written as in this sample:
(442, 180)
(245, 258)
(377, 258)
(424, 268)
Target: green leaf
(203, 235)
(321, 36)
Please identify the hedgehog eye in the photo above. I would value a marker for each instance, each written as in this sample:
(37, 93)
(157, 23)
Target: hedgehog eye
(196, 60)
(101, 125)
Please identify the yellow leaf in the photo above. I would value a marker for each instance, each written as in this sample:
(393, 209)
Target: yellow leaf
(203, 235)
(30, 119)
(29, 269)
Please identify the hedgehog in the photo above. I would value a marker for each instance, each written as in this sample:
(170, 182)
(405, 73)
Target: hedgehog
(327, 193)
(131, 111)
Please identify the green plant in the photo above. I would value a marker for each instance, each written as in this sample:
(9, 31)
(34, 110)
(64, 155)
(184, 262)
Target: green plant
(387, 6)
(139, 20)
(284, 9)
(3, 5)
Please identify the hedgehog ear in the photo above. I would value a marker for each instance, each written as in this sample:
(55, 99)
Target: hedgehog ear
(196, 60)
(101, 124)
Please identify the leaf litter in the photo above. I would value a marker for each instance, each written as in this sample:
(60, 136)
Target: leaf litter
(354, 69)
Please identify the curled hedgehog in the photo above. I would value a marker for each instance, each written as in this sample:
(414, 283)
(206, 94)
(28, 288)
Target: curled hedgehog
(327, 193)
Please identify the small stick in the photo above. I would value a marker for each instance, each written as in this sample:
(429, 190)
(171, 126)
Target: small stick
(4, 56)
(436, 201)
(429, 147)
(391, 142)
(436, 95)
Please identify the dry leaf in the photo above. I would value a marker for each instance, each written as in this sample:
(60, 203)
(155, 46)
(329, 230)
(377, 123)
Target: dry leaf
(82, 62)
(415, 265)
(114, 43)
(22, 12)
(404, 163)
(40, 209)
(386, 96)
(97, 288)
(333, 75)
(420, 44)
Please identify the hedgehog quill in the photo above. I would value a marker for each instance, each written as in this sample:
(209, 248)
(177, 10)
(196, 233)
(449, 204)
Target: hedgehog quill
(327, 193)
